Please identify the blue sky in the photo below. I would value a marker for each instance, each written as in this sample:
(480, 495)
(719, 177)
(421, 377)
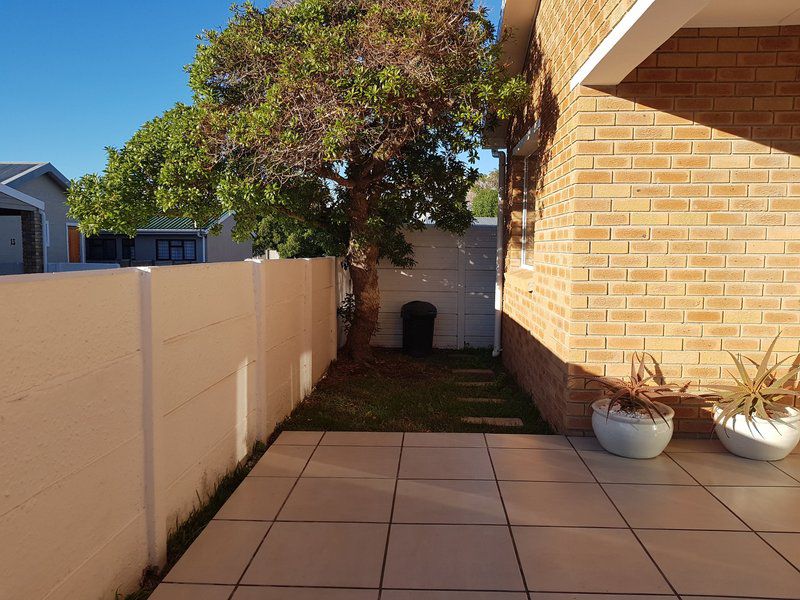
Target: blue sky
(79, 76)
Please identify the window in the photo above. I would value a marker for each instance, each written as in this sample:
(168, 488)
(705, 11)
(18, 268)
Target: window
(128, 248)
(101, 249)
(528, 218)
(177, 250)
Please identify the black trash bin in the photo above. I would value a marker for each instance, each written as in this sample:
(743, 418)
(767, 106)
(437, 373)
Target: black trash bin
(418, 318)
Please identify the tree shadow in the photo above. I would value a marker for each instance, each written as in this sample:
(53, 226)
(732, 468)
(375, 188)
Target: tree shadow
(542, 109)
(748, 96)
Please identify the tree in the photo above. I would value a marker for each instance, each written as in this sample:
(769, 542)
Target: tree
(484, 202)
(343, 116)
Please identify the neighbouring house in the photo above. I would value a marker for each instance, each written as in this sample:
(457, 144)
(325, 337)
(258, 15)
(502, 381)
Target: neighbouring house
(37, 235)
(653, 192)
(169, 241)
(34, 227)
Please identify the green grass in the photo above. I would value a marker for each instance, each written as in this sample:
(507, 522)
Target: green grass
(400, 393)
(395, 393)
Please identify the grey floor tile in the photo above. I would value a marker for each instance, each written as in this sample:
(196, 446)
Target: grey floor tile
(790, 465)
(787, 544)
(353, 461)
(452, 557)
(671, 507)
(721, 563)
(362, 438)
(448, 501)
(727, 469)
(513, 464)
(288, 593)
(547, 596)
(320, 554)
(182, 591)
(609, 468)
(445, 463)
(460, 595)
(694, 445)
(257, 499)
(444, 440)
(340, 499)
(220, 554)
(566, 559)
(763, 508)
(282, 461)
(521, 440)
(560, 504)
(685, 597)
(299, 438)
(584, 442)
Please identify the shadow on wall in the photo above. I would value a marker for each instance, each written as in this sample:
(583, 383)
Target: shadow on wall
(544, 107)
(746, 86)
(563, 396)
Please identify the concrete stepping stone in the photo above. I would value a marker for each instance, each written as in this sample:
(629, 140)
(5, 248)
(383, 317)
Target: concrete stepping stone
(479, 400)
(473, 372)
(494, 421)
(474, 383)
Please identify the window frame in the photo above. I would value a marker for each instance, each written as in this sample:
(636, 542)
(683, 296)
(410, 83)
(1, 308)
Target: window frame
(175, 243)
(524, 237)
(130, 245)
(104, 243)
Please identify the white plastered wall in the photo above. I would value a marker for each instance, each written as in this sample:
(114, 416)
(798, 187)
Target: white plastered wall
(124, 394)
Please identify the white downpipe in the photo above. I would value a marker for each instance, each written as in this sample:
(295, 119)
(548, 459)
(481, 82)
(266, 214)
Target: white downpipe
(499, 263)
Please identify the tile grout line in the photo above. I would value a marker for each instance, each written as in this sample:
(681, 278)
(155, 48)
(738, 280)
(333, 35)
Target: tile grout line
(391, 518)
(508, 521)
(753, 531)
(627, 524)
(285, 500)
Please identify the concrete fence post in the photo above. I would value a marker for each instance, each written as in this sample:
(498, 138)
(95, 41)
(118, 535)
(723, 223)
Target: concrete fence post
(261, 348)
(153, 415)
(333, 342)
(307, 343)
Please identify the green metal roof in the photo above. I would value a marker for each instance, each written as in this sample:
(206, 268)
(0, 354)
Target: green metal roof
(165, 223)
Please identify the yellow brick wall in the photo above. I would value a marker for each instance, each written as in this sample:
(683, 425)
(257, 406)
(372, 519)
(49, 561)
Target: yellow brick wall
(537, 311)
(668, 217)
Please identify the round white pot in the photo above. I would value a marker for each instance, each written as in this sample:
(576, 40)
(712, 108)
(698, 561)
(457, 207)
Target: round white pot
(760, 439)
(632, 436)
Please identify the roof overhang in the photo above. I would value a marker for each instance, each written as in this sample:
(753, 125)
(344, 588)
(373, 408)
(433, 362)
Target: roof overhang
(496, 136)
(38, 170)
(650, 23)
(529, 142)
(516, 26)
(514, 30)
(29, 202)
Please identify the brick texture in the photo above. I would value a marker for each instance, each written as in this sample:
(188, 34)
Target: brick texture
(666, 211)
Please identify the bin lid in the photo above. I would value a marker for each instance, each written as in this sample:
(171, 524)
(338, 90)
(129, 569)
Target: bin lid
(418, 309)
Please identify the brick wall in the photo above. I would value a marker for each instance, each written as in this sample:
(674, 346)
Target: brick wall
(537, 312)
(32, 242)
(667, 216)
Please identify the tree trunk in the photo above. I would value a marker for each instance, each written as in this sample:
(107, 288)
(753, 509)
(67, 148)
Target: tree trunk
(364, 274)
(363, 259)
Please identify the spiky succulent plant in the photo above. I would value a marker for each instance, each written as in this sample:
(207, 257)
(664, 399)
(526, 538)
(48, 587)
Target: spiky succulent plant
(638, 392)
(760, 394)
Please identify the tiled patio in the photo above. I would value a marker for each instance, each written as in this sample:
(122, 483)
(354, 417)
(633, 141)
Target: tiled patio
(362, 516)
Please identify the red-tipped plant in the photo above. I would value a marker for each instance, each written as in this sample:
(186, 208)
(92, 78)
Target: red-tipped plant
(639, 392)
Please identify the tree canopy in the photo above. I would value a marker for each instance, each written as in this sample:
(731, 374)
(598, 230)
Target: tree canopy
(344, 117)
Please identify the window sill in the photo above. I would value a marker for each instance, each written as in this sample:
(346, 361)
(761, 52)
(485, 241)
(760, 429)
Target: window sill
(521, 278)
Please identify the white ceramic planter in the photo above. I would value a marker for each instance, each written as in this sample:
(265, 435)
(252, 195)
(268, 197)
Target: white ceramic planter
(632, 437)
(760, 439)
